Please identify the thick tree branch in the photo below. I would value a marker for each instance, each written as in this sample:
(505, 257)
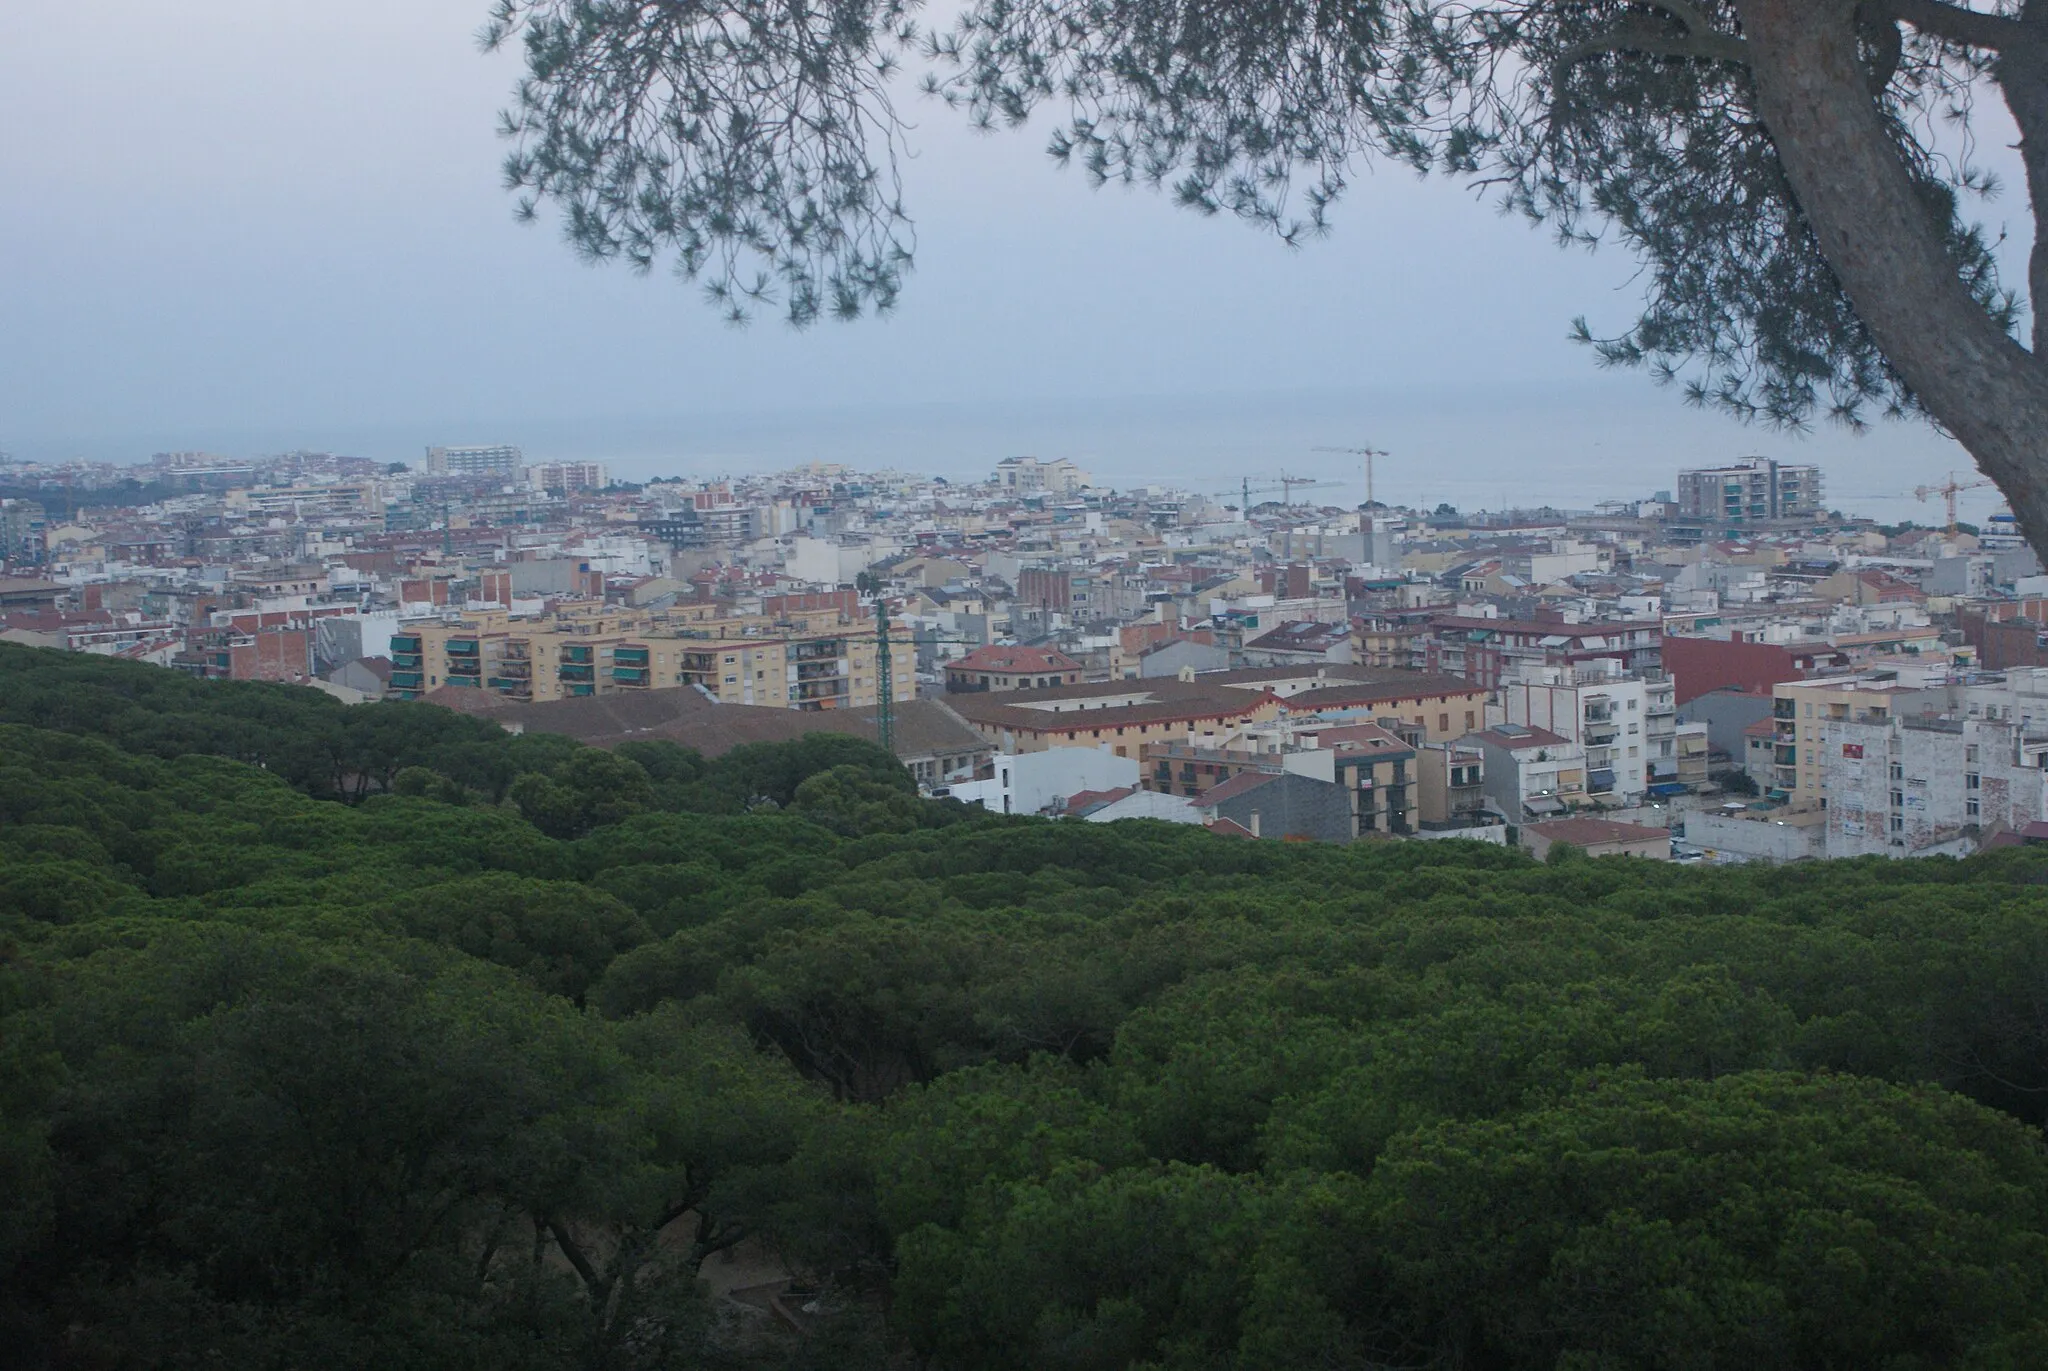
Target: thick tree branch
(1889, 252)
(568, 1247)
(1992, 32)
(2022, 74)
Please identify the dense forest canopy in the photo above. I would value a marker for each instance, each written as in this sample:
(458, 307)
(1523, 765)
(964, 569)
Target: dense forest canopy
(483, 1062)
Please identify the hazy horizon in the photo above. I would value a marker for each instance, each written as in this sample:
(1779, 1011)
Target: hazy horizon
(261, 228)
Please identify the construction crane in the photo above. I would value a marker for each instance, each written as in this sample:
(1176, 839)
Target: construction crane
(885, 670)
(1948, 490)
(1283, 483)
(1366, 452)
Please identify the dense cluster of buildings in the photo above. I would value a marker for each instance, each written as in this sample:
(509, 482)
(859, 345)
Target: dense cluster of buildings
(1733, 673)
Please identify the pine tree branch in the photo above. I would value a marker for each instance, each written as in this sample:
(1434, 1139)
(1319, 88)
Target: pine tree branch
(1701, 44)
(1972, 28)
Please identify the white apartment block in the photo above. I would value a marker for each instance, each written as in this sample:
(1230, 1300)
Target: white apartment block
(1607, 715)
(1927, 785)
(496, 460)
(1029, 476)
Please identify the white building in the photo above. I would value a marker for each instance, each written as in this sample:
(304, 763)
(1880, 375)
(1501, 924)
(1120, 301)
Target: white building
(1028, 782)
(1928, 785)
(1607, 715)
(498, 460)
(1530, 773)
(1029, 476)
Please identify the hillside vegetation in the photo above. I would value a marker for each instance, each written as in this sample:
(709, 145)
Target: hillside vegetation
(377, 1037)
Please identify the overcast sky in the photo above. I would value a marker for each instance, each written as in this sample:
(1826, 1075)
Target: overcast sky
(251, 225)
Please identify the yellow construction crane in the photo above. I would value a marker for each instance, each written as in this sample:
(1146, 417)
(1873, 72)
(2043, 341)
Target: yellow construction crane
(1948, 490)
(1366, 452)
(1283, 483)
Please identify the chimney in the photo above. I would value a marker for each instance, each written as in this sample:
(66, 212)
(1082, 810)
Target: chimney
(1255, 823)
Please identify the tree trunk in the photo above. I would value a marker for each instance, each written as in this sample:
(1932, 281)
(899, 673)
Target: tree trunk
(1889, 253)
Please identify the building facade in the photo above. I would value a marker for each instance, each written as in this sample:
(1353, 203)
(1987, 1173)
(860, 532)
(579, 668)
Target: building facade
(495, 461)
(1752, 491)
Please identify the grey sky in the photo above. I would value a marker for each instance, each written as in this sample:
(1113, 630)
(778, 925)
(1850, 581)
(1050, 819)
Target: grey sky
(256, 224)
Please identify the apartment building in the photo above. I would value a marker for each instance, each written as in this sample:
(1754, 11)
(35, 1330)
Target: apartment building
(499, 460)
(1802, 710)
(1030, 476)
(1925, 784)
(1530, 773)
(561, 478)
(1489, 652)
(1751, 491)
(1450, 784)
(1606, 714)
(817, 661)
(1377, 768)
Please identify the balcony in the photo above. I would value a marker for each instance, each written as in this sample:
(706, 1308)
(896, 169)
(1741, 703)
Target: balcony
(405, 642)
(1783, 755)
(515, 686)
(579, 675)
(577, 654)
(819, 670)
(462, 647)
(1600, 782)
(1785, 709)
(516, 666)
(579, 690)
(406, 680)
(630, 675)
(407, 661)
(629, 657)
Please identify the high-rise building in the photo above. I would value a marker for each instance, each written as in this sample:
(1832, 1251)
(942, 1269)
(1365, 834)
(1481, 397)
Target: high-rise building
(560, 478)
(1752, 491)
(502, 460)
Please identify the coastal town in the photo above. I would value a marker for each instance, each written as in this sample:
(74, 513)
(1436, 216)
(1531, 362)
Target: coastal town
(1725, 671)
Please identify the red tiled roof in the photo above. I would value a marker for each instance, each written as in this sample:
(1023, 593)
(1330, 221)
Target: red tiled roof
(1015, 660)
(1237, 785)
(1595, 832)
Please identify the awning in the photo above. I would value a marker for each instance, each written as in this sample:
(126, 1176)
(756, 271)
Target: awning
(1544, 804)
(1668, 788)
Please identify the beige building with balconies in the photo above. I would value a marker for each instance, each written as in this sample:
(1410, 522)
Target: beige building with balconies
(815, 661)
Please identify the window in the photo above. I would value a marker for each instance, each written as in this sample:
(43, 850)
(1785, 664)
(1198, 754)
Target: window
(1898, 772)
(1898, 799)
(1970, 753)
(1970, 809)
(1898, 823)
(1468, 720)
(1443, 723)
(1973, 781)
(1631, 705)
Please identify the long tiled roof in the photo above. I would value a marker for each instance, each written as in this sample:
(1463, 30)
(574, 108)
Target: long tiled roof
(922, 727)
